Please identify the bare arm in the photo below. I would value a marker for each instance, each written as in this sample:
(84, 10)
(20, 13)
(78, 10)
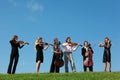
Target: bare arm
(102, 44)
(46, 47)
(108, 45)
(76, 47)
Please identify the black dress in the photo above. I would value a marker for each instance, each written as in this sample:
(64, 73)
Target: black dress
(39, 55)
(14, 56)
(54, 68)
(107, 54)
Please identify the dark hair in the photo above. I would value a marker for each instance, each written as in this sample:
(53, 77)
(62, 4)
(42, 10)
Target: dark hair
(85, 42)
(55, 39)
(14, 37)
(88, 43)
(58, 41)
(107, 38)
(68, 38)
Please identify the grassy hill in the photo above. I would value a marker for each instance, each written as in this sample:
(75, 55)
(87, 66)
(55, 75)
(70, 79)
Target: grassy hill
(63, 76)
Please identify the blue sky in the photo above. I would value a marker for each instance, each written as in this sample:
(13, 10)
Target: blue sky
(90, 20)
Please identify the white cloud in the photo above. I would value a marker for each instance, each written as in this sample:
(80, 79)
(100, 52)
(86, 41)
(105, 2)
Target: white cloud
(13, 2)
(34, 6)
(31, 18)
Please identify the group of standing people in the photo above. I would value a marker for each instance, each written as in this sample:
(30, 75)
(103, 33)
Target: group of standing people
(58, 54)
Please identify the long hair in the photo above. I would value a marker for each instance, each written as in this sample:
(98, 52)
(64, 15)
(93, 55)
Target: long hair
(108, 39)
(37, 42)
(14, 37)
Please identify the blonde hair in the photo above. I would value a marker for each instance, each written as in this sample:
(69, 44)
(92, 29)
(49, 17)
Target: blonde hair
(37, 42)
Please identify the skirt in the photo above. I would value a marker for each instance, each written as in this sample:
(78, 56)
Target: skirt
(39, 56)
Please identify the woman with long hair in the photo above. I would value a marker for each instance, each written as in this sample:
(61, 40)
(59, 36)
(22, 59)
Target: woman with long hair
(57, 55)
(15, 44)
(40, 46)
(107, 53)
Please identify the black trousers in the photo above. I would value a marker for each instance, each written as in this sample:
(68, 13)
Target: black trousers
(13, 58)
(54, 68)
(90, 68)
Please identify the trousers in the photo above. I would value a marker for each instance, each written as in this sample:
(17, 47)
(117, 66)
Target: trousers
(13, 58)
(68, 56)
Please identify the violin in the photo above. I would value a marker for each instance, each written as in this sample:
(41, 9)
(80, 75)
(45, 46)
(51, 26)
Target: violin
(73, 44)
(45, 43)
(22, 42)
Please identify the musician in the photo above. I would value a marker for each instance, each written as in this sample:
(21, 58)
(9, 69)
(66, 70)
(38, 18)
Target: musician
(87, 56)
(69, 47)
(15, 44)
(107, 53)
(57, 54)
(40, 46)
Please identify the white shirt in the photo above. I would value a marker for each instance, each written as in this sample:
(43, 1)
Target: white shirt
(68, 48)
(86, 48)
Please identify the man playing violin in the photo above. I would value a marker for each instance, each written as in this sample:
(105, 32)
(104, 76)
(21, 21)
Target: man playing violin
(69, 47)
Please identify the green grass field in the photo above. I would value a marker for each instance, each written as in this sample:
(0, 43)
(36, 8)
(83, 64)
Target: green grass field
(63, 76)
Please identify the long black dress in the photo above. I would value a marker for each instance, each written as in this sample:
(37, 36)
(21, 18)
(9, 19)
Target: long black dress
(14, 56)
(56, 56)
(39, 55)
(107, 54)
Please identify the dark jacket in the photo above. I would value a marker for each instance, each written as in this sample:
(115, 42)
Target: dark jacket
(15, 47)
(83, 51)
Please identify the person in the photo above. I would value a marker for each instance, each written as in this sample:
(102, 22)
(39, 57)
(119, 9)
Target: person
(69, 47)
(87, 53)
(107, 53)
(15, 44)
(57, 54)
(40, 46)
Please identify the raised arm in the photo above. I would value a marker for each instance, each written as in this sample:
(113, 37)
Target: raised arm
(46, 47)
(64, 45)
(75, 47)
(21, 46)
(101, 44)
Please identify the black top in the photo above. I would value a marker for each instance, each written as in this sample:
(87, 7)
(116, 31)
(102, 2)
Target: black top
(84, 51)
(107, 49)
(107, 53)
(39, 48)
(15, 47)
(39, 55)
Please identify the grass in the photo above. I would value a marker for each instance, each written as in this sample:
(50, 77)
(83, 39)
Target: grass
(63, 76)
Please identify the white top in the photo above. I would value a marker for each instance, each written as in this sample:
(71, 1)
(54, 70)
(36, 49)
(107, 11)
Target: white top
(86, 48)
(68, 48)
